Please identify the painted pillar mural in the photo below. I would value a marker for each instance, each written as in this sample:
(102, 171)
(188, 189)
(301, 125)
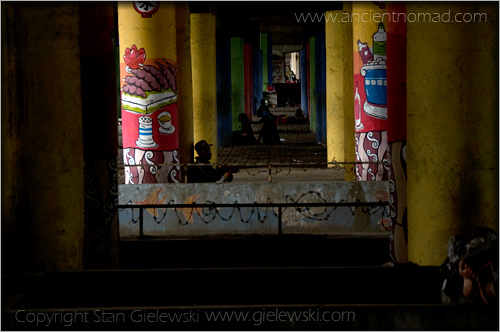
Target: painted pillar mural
(370, 94)
(379, 53)
(148, 73)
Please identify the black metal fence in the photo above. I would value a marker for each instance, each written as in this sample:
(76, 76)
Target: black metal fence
(212, 206)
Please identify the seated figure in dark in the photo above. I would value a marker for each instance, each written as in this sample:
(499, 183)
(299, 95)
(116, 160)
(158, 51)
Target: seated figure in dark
(244, 136)
(204, 172)
(269, 133)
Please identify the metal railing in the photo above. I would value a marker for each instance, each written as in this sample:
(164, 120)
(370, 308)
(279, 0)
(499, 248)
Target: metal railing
(269, 165)
(281, 207)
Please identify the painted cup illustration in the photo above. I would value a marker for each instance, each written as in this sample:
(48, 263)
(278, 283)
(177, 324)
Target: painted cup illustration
(165, 121)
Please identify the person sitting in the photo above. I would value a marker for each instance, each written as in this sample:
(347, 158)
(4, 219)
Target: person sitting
(204, 172)
(245, 135)
(268, 131)
(299, 116)
(479, 267)
(471, 269)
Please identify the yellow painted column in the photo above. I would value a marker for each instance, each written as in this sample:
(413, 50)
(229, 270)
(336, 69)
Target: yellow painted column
(334, 43)
(148, 71)
(348, 96)
(43, 106)
(204, 79)
(184, 83)
(452, 157)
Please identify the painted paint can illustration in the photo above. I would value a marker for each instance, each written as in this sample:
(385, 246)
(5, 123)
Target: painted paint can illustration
(376, 90)
(145, 139)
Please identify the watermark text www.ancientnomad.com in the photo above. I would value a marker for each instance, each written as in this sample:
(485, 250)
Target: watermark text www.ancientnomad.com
(368, 17)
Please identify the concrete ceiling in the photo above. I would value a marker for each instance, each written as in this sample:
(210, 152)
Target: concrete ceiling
(248, 18)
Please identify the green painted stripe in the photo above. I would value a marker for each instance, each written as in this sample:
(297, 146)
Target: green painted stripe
(264, 47)
(237, 80)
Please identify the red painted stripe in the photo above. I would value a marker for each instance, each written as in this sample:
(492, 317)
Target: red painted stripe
(396, 75)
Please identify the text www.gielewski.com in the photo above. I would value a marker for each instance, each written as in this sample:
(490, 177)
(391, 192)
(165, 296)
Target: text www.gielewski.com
(368, 17)
(255, 317)
(261, 316)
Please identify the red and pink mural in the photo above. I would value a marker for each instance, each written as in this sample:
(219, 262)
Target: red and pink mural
(379, 61)
(370, 106)
(149, 118)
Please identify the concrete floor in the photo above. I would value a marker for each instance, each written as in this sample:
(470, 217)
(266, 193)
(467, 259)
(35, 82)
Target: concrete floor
(297, 158)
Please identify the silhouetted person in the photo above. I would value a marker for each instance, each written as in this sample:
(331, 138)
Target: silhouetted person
(206, 173)
(268, 131)
(471, 269)
(245, 135)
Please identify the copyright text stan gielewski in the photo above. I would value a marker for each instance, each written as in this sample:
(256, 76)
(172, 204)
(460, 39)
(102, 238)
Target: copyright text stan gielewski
(79, 317)
(256, 317)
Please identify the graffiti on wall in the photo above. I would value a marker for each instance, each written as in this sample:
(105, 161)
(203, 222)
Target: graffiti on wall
(370, 107)
(397, 201)
(208, 218)
(149, 118)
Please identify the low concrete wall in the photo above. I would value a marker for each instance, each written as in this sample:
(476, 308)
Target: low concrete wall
(251, 221)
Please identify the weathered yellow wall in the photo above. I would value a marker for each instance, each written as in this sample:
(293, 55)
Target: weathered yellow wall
(452, 153)
(203, 59)
(42, 100)
(334, 87)
(160, 27)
